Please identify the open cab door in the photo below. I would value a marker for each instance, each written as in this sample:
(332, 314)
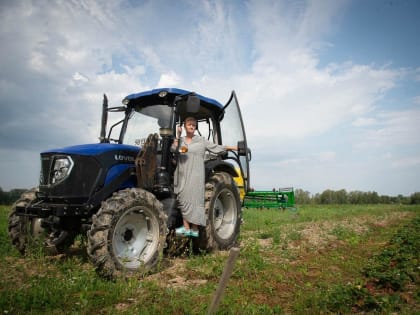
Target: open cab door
(233, 133)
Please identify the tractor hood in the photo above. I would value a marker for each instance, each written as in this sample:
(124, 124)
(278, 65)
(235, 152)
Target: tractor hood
(94, 149)
(78, 171)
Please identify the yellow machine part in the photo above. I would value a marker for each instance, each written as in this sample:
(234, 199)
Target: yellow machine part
(240, 183)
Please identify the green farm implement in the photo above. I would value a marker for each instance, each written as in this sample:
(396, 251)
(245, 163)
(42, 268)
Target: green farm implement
(281, 199)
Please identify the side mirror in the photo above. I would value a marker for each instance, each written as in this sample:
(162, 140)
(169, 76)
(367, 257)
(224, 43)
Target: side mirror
(241, 148)
(193, 104)
(244, 151)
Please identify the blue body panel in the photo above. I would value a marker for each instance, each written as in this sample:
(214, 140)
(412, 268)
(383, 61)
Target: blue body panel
(96, 149)
(116, 170)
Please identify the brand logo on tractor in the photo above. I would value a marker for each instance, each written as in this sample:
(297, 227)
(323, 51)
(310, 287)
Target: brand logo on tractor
(127, 158)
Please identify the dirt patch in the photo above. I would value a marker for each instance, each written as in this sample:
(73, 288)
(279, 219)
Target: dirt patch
(325, 234)
(267, 242)
(175, 275)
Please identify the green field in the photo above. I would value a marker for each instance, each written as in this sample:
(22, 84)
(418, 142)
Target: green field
(318, 260)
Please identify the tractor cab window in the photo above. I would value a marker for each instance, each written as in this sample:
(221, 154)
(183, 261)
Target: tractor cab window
(145, 121)
(160, 112)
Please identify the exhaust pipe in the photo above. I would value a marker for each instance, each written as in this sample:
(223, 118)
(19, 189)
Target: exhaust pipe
(102, 136)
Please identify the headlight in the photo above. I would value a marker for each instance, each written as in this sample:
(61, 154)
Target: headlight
(61, 169)
(163, 93)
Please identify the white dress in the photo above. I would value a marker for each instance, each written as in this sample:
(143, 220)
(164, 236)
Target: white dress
(190, 178)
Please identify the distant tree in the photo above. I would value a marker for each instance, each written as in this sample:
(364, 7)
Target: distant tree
(2, 197)
(302, 197)
(354, 197)
(327, 197)
(9, 197)
(340, 196)
(357, 197)
(415, 198)
(395, 199)
(316, 199)
(400, 199)
(372, 197)
(15, 194)
(385, 199)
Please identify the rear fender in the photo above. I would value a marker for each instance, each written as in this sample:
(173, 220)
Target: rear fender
(214, 166)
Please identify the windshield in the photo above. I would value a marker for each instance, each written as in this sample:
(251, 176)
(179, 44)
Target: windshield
(147, 120)
(160, 112)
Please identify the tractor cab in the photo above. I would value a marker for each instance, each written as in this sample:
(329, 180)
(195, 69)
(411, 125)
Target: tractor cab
(158, 113)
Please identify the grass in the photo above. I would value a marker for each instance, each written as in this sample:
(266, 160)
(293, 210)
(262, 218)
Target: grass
(318, 260)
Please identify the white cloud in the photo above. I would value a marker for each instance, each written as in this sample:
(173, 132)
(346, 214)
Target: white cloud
(78, 79)
(393, 129)
(417, 74)
(406, 162)
(307, 101)
(61, 58)
(327, 156)
(364, 121)
(169, 79)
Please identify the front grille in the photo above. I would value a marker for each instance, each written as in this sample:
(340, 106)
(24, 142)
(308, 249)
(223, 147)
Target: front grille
(85, 174)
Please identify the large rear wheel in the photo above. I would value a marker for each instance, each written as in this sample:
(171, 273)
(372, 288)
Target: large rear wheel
(223, 212)
(127, 234)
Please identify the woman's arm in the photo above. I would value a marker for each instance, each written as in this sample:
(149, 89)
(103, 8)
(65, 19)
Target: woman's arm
(231, 148)
(176, 140)
(217, 148)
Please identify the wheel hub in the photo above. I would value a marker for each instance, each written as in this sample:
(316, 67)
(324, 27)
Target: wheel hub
(128, 235)
(224, 214)
(135, 238)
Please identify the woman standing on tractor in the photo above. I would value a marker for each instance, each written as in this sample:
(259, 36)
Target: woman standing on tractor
(190, 176)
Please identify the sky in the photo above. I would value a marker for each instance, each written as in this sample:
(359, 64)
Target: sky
(329, 89)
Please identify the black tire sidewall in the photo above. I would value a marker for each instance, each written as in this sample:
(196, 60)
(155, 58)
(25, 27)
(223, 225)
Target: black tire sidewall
(19, 227)
(100, 236)
(209, 238)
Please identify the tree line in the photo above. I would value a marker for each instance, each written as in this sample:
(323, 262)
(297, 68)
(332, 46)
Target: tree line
(353, 197)
(301, 197)
(9, 197)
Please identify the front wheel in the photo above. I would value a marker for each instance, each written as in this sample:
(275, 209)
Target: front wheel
(24, 231)
(127, 234)
(223, 212)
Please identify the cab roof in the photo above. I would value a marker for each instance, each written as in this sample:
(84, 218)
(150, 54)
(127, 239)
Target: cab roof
(209, 106)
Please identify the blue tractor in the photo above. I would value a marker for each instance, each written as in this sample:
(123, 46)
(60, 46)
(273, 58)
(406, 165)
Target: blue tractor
(120, 191)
